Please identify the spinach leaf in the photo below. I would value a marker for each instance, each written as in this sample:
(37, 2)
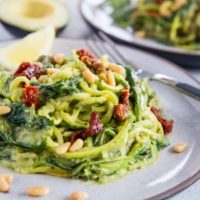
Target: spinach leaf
(5, 152)
(24, 117)
(59, 88)
(17, 115)
(5, 80)
(135, 93)
(23, 127)
(142, 153)
(162, 143)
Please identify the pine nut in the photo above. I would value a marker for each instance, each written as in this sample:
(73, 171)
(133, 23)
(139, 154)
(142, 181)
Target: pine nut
(59, 58)
(178, 4)
(117, 68)
(88, 75)
(8, 177)
(140, 34)
(165, 8)
(110, 78)
(42, 78)
(51, 71)
(103, 77)
(4, 110)
(178, 148)
(79, 196)
(63, 148)
(78, 144)
(4, 186)
(37, 191)
(105, 62)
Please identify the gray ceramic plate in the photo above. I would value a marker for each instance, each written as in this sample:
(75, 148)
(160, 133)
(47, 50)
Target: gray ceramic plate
(170, 174)
(99, 18)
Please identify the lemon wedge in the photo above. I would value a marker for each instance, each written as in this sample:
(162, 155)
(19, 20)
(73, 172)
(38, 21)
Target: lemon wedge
(27, 49)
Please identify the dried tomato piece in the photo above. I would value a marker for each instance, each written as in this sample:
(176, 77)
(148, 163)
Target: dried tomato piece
(95, 127)
(166, 124)
(122, 109)
(86, 57)
(121, 112)
(76, 135)
(87, 60)
(153, 13)
(97, 66)
(124, 96)
(83, 52)
(90, 60)
(30, 70)
(30, 96)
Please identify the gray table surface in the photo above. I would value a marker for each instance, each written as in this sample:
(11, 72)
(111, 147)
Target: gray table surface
(78, 29)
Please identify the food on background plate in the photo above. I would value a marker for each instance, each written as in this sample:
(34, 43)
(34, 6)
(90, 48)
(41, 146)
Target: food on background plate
(27, 49)
(172, 22)
(31, 15)
(79, 117)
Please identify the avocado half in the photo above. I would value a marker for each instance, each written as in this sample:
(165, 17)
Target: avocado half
(31, 15)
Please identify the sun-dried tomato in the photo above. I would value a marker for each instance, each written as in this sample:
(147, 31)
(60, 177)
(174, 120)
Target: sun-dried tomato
(86, 57)
(122, 109)
(90, 60)
(30, 96)
(83, 52)
(87, 60)
(124, 96)
(153, 13)
(121, 112)
(30, 70)
(97, 66)
(166, 124)
(95, 127)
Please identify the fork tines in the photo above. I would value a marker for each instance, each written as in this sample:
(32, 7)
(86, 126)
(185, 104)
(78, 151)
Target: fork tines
(101, 44)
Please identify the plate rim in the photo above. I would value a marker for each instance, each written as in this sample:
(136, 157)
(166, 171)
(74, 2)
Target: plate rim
(172, 50)
(196, 176)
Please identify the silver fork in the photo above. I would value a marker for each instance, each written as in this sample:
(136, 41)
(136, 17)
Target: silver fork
(101, 44)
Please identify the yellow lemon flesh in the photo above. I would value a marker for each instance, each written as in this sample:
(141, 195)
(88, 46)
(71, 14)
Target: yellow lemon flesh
(27, 49)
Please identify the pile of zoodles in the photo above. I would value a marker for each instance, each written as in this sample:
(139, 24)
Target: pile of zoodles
(79, 117)
(172, 22)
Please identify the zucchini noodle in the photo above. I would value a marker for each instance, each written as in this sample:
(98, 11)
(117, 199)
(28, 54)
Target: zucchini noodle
(30, 134)
(16, 87)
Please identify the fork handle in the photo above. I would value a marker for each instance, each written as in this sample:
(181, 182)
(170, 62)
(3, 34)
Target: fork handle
(184, 88)
(189, 90)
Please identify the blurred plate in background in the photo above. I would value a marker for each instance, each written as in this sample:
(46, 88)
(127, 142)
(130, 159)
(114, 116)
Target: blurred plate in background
(100, 20)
